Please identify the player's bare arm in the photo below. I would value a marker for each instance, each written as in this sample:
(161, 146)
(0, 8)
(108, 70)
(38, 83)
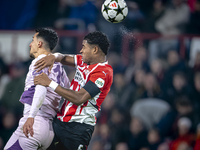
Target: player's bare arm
(49, 60)
(76, 97)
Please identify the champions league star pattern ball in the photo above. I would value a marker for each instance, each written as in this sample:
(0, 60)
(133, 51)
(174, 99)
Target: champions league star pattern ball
(114, 11)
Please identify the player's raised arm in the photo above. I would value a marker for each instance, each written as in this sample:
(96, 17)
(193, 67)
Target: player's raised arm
(49, 60)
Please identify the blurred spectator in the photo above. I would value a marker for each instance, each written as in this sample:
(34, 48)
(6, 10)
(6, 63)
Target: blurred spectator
(175, 18)
(153, 16)
(3, 67)
(1, 143)
(149, 111)
(196, 66)
(151, 87)
(9, 122)
(173, 22)
(118, 123)
(115, 60)
(158, 69)
(194, 25)
(191, 4)
(154, 139)
(122, 90)
(195, 94)
(175, 64)
(138, 86)
(163, 146)
(138, 60)
(4, 77)
(96, 145)
(14, 89)
(179, 87)
(197, 144)
(185, 139)
(137, 135)
(119, 84)
(167, 125)
(107, 106)
(101, 138)
(159, 48)
(121, 146)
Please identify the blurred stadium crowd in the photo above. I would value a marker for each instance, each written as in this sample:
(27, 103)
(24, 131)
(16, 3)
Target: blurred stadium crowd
(154, 102)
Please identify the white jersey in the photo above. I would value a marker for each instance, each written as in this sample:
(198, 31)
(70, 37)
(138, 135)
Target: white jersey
(50, 105)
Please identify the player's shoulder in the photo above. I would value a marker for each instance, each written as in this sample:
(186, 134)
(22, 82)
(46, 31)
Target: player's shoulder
(104, 68)
(57, 66)
(38, 58)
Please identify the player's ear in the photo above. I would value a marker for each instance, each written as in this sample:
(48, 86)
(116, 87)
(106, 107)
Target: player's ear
(40, 44)
(96, 49)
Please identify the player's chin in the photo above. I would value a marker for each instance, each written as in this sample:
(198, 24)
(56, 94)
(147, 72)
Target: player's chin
(85, 61)
(32, 56)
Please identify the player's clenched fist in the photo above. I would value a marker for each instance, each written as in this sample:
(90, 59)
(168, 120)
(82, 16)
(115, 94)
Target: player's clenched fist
(42, 79)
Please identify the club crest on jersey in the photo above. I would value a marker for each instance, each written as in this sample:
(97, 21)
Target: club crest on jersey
(99, 82)
(86, 71)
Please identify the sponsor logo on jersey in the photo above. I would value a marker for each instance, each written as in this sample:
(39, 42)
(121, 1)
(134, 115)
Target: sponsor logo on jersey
(78, 77)
(99, 82)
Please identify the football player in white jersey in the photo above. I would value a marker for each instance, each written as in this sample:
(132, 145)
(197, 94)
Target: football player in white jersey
(40, 103)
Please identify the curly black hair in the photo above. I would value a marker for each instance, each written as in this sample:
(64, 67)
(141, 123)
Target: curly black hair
(49, 35)
(99, 39)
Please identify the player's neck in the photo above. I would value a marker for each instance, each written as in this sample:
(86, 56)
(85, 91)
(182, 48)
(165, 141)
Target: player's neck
(42, 51)
(96, 60)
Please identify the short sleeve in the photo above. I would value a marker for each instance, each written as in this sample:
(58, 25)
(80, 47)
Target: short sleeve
(99, 78)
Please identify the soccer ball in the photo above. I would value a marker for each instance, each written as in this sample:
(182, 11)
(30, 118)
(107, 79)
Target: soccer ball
(114, 11)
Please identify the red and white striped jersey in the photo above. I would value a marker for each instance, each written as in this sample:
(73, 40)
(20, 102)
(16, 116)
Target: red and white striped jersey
(102, 75)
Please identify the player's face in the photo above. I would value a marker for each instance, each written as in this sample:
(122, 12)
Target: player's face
(86, 52)
(33, 46)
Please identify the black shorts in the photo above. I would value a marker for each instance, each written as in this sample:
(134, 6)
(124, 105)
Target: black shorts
(72, 135)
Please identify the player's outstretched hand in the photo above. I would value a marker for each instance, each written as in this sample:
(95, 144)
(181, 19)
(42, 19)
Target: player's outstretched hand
(28, 127)
(46, 61)
(42, 79)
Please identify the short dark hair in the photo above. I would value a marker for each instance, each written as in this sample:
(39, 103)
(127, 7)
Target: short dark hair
(49, 35)
(99, 39)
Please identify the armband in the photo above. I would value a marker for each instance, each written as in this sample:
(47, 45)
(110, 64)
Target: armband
(91, 88)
